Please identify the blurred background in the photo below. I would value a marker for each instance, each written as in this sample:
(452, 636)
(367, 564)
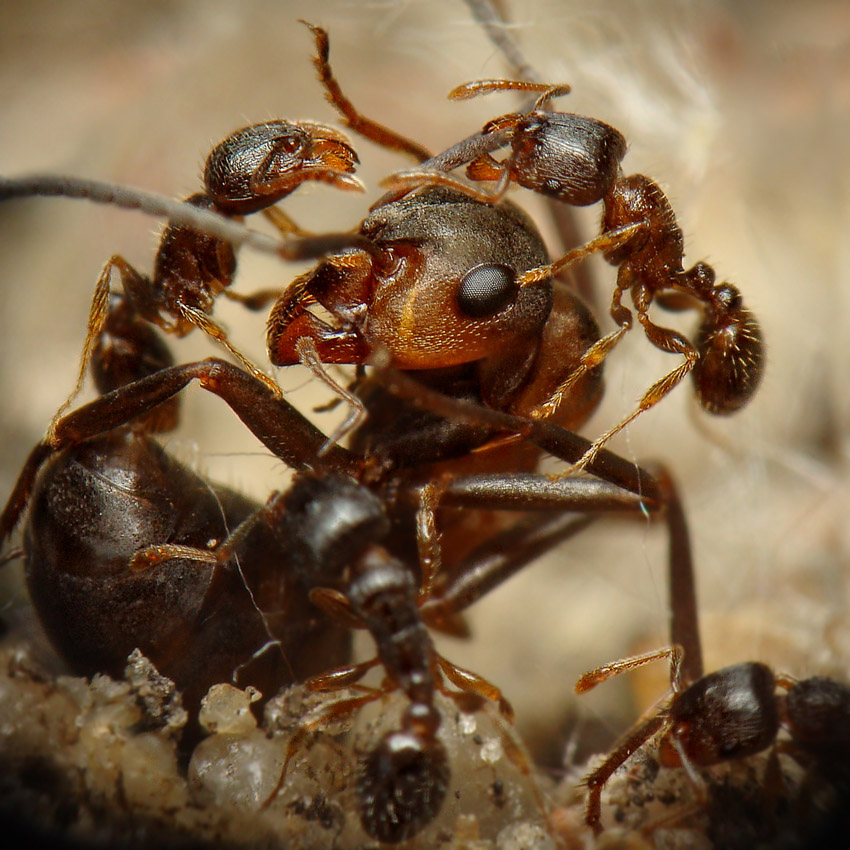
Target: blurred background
(740, 111)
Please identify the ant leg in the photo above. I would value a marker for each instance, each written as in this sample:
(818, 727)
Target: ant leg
(337, 606)
(159, 553)
(201, 320)
(493, 563)
(20, 495)
(419, 178)
(668, 340)
(557, 441)
(274, 421)
(595, 677)
(377, 133)
(622, 751)
(334, 712)
(308, 356)
(611, 240)
(428, 537)
(591, 358)
(135, 286)
(344, 677)
(466, 91)
(284, 224)
(472, 683)
(258, 300)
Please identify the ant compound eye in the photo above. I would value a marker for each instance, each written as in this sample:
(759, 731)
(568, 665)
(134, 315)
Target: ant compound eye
(401, 786)
(486, 289)
(291, 143)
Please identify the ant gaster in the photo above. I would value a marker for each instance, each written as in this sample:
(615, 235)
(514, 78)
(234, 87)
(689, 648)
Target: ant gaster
(95, 501)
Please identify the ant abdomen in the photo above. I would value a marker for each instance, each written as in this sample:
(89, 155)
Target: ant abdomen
(401, 785)
(731, 353)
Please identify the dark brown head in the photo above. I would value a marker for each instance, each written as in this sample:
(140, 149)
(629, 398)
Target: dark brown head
(259, 165)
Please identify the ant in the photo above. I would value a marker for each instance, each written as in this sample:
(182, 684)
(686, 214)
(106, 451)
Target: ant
(435, 215)
(324, 535)
(251, 170)
(576, 160)
(402, 780)
(730, 714)
(389, 790)
(98, 493)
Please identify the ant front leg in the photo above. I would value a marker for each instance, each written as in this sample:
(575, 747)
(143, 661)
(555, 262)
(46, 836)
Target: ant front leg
(275, 422)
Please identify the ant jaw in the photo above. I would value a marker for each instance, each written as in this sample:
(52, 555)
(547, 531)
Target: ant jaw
(401, 786)
(332, 152)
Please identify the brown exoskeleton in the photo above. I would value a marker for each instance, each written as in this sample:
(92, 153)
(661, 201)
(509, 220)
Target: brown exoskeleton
(102, 491)
(576, 160)
(251, 170)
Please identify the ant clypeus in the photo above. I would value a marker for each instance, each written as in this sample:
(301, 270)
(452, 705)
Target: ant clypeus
(731, 714)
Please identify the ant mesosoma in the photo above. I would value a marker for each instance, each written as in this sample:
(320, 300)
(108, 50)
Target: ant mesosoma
(729, 714)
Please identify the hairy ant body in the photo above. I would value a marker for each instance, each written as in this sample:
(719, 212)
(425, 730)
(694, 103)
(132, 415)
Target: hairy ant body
(251, 170)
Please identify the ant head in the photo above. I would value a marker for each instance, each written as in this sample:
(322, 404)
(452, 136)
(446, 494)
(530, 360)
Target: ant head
(569, 157)
(259, 165)
(452, 296)
(401, 785)
(726, 715)
(327, 520)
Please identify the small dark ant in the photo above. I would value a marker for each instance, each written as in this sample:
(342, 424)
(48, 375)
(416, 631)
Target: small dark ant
(575, 160)
(251, 170)
(332, 499)
(402, 780)
(432, 212)
(729, 714)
